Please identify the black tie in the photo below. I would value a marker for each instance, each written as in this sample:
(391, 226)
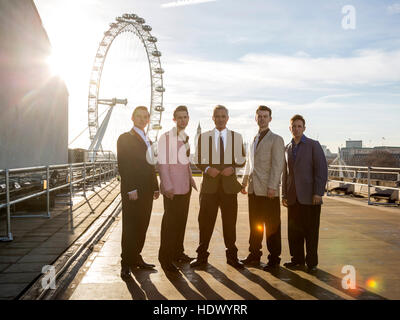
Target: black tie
(187, 145)
(221, 150)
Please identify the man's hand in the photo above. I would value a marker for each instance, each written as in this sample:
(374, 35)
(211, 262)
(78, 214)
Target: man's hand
(169, 194)
(212, 172)
(316, 199)
(228, 172)
(156, 195)
(271, 193)
(133, 195)
(284, 202)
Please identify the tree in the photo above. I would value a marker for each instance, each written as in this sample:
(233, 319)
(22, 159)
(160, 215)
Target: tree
(379, 158)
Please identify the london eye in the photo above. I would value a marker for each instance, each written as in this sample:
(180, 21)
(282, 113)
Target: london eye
(126, 73)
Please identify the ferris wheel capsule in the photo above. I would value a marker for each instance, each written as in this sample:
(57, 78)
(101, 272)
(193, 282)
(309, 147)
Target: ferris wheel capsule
(156, 53)
(159, 70)
(126, 16)
(159, 108)
(133, 16)
(147, 28)
(152, 39)
(113, 25)
(160, 89)
(157, 127)
(140, 20)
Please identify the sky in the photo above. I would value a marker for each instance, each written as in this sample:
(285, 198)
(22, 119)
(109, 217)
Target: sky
(337, 63)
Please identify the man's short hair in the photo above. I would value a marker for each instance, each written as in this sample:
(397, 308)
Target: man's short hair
(264, 108)
(179, 109)
(298, 117)
(139, 108)
(220, 107)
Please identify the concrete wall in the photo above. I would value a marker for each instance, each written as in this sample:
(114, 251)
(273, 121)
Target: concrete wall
(33, 104)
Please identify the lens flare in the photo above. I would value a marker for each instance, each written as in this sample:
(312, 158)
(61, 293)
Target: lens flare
(260, 228)
(372, 283)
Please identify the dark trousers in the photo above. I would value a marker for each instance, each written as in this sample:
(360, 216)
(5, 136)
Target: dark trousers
(209, 204)
(135, 221)
(173, 227)
(265, 214)
(303, 225)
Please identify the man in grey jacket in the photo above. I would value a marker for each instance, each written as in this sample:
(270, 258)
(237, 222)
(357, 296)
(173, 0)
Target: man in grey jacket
(303, 185)
(263, 174)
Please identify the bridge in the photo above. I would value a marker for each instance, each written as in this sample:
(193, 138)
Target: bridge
(82, 243)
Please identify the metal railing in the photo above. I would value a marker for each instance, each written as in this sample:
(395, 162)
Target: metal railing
(84, 173)
(363, 176)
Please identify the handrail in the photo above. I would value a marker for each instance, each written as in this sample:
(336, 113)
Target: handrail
(369, 185)
(107, 171)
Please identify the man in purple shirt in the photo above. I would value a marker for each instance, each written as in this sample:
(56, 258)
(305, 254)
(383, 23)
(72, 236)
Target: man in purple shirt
(303, 185)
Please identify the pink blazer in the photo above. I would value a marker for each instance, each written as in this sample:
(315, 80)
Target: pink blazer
(174, 165)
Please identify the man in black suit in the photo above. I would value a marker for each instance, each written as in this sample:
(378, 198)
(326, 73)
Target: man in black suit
(303, 185)
(139, 186)
(218, 153)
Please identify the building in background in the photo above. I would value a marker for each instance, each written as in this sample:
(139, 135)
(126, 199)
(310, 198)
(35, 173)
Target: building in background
(33, 103)
(384, 156)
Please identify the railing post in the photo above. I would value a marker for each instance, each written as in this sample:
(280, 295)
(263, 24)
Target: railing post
(48, 191)
(369, 185)
(84, 178)
(93, 176)
(70, 185)
(9, 234)
(100, 174)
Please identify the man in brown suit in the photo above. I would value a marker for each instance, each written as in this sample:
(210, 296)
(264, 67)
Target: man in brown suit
(218, 153)
(263, 174)
(139, 186)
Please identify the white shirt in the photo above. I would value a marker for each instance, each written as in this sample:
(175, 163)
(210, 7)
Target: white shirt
(143, 136)
(217, 134)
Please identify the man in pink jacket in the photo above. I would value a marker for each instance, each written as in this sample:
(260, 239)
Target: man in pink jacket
(176, 186)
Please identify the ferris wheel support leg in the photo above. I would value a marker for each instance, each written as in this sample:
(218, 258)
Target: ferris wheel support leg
(96, 143)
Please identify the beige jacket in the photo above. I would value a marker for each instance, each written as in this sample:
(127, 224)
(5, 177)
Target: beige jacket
(264, 166)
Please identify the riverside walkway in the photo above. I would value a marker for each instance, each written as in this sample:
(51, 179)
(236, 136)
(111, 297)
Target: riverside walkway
(351, 234)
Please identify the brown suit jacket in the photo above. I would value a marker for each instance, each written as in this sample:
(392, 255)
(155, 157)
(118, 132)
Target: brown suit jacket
(207, 155)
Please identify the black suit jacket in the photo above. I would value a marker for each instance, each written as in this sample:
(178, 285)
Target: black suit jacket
(135, 171)
(207, 155)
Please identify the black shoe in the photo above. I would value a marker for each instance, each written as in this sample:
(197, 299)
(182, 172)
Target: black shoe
(170, 267)
(198, 263)
(235, 263)
(312, 269)
(183, 258)
(251, 260)
(125, 272)
(293, 265)
(271, 267)
(144, 265)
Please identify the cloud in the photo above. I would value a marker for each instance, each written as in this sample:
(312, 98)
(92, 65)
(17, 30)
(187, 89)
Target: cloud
(263, 75)
(394, 8)
(179, 3)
